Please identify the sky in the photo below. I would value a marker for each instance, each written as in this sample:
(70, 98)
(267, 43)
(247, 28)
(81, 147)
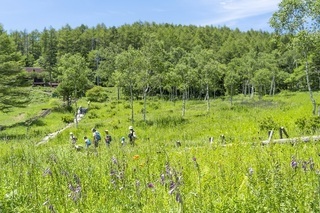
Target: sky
(32, 15)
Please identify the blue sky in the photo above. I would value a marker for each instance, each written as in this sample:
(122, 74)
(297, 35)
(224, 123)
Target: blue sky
(38, 14)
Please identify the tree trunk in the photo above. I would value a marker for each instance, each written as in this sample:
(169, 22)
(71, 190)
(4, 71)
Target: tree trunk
(144, 104)
(314, 104)
(184, 103)
(118, 93)
(208, 99)
(131, 100)
(76, 114)
(252, 92)
(231, 94)
(272, 86)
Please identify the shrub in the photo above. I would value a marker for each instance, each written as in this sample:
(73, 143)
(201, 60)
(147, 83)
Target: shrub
(126, 106)
(97, 94)
(67, 119)
(308, 125)
(268, 124)
(92, 115)
(169, 121)
(56, 105)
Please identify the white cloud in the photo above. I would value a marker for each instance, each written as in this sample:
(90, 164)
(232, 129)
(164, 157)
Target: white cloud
(227, 12)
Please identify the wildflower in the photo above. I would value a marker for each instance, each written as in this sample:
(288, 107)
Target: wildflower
(195, 162)
(311, 164)
(250, 171)
(113, 182)
(136, 157)
(47, 172)
(71, 187)
(120, 175)
(76, 179)
(150, 185)
(51, 208)
(294, 163)
(172, 187)
(114, 160)
(75, 193)
(304, 165)
(168, 170)
(162, 178)
(178, 198)
(112, 173)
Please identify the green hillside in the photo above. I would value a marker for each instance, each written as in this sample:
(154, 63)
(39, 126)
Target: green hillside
(233, 173)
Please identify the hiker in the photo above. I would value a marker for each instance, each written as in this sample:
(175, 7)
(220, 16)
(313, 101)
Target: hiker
(123, 141)
(108, 138)
(82, 110)
(132, 135)
(87, 141)
(73, 139)
(96, 137)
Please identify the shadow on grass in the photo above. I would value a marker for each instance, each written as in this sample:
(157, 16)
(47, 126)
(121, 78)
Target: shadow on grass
(30, 122)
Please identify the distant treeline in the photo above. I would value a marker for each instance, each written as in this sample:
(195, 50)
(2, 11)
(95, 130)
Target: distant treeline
(173, 60)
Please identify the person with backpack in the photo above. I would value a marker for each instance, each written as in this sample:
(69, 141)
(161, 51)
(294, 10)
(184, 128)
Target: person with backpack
(73, 138)
(87, 141)
(96, 137)
(132, 135)
(123, 140)
(108, 138)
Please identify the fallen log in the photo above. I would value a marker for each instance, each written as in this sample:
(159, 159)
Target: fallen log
(292, 140)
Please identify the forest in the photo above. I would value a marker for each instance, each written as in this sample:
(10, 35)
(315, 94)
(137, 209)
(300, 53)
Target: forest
(240, 89)
(176, 61)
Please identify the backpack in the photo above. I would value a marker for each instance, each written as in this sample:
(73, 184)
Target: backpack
(98, 136)
(88, 142)
(108, 138)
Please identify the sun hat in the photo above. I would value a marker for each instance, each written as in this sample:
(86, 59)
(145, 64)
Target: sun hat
(130, 127)
(71, 133)
(106, 130)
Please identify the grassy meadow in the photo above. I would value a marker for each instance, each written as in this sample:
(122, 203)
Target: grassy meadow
(234, 173)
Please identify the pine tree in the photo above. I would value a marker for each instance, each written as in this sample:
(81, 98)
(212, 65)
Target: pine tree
(12, 76)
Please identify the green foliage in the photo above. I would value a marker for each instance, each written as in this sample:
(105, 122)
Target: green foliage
(170, 121)
(92, 114)
(168, 60)
(233, 173)
(308, 125)
(12, 77)
(97, 94)
(56, 105)
(268, 124)
(68, 119)
(74, 80)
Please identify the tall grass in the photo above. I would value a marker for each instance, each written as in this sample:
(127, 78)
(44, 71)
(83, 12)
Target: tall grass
(233, 174)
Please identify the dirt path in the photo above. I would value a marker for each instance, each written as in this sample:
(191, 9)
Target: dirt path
(54, 134)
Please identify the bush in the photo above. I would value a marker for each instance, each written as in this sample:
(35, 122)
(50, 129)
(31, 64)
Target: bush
(308, 125)
(97, 94)
(68, 119)
(268, 124)
(57, 106)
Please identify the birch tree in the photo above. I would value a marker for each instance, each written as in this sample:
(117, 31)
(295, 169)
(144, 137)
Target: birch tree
(299, 18)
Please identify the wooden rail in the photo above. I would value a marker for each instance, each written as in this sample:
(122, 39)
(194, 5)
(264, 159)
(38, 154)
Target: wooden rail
(293, 140)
